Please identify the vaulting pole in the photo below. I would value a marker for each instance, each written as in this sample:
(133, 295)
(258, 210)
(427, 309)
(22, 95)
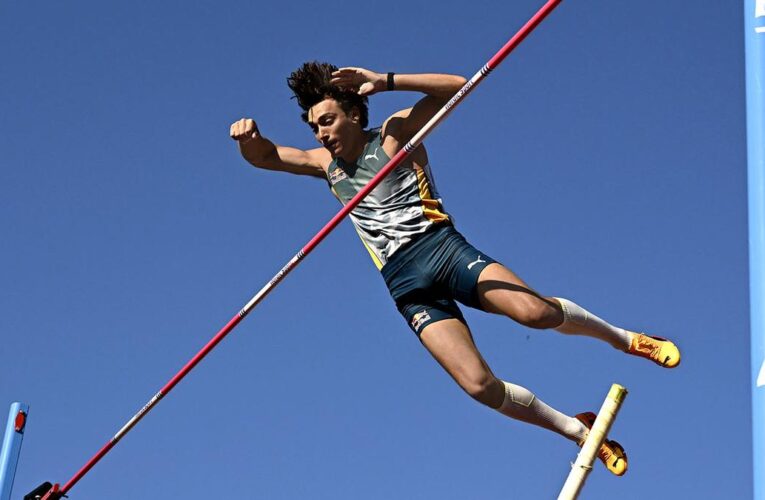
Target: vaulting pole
(548, 7)
(583, 465)
(754, 34)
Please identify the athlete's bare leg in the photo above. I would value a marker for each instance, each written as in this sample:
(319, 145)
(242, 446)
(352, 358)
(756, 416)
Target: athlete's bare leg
(451, 343)
(500, 291)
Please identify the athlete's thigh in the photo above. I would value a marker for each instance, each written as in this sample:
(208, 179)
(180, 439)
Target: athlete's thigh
(451, 344)
(501, 291)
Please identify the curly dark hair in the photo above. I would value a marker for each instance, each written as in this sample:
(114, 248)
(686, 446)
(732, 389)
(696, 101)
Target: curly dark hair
(310, 83)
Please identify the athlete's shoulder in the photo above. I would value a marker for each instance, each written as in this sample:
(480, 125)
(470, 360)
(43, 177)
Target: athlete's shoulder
(393, 124)
(393, 133)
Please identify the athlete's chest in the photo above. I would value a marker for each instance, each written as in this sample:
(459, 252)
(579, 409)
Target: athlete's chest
(347, 179)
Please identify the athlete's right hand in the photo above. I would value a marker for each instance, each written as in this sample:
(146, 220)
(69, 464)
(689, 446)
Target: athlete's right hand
(244, 130)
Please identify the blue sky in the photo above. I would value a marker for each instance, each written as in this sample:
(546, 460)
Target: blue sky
(604, 162)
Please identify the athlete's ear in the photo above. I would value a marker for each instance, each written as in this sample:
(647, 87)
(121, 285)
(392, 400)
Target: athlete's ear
(355, 115)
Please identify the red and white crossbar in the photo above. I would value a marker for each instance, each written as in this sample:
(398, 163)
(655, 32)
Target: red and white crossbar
(393, 163)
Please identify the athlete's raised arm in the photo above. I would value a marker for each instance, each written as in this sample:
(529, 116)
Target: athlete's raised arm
(439, 88)
(263, 153)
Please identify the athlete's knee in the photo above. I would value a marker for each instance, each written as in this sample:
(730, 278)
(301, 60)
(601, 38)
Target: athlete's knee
(484, 387)
(539, 312)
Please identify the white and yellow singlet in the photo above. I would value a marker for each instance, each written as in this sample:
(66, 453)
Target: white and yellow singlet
(405, 204)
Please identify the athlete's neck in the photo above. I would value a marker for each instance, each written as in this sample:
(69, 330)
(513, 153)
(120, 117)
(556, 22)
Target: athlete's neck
(357, 145)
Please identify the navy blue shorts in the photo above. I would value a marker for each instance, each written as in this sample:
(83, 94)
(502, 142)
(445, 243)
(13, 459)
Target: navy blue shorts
(427, 276)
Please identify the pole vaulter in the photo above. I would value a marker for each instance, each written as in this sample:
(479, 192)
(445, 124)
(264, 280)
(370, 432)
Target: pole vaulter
(49, 491)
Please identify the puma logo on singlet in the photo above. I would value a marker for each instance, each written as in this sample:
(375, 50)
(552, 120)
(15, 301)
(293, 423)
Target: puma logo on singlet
(478, 260)
(372, 156)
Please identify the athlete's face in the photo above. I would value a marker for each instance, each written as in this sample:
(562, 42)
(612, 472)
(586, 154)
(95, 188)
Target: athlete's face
(338, 132)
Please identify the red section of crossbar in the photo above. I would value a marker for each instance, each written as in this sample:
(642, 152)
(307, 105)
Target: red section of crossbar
(522, 33)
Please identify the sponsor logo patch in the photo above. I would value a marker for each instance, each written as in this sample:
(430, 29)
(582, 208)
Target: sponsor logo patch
(420, 318)
(337, 175)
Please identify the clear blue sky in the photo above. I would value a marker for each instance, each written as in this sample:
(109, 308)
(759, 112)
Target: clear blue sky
(604, 161)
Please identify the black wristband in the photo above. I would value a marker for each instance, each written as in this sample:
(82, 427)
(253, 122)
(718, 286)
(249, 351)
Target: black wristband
(391, 84)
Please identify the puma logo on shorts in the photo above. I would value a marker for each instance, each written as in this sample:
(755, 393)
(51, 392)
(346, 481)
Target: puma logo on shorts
(477, 261)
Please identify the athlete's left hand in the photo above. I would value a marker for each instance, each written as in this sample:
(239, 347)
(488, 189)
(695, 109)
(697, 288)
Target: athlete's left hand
(363, 81)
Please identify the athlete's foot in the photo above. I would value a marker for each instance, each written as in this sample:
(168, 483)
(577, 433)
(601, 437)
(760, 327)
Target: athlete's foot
(611, 453)
(661, 351)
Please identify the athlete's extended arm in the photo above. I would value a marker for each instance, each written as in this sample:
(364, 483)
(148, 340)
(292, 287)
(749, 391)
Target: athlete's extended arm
(439, 88)
(263, 153)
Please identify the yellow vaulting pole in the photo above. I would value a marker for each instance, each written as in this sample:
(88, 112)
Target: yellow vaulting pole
(583, 465)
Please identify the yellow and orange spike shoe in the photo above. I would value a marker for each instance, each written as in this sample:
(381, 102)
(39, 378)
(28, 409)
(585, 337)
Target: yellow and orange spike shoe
(661, 351)
(611, 453)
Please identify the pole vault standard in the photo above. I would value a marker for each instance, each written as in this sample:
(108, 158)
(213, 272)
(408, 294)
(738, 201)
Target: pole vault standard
(54, 492)
(754, 29)
(9, 455)
(583, 465)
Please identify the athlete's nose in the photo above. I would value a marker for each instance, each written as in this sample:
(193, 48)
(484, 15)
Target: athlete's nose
(324, 136)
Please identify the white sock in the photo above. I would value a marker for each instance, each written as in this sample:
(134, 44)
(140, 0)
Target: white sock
(522, 404)
(578, 321)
